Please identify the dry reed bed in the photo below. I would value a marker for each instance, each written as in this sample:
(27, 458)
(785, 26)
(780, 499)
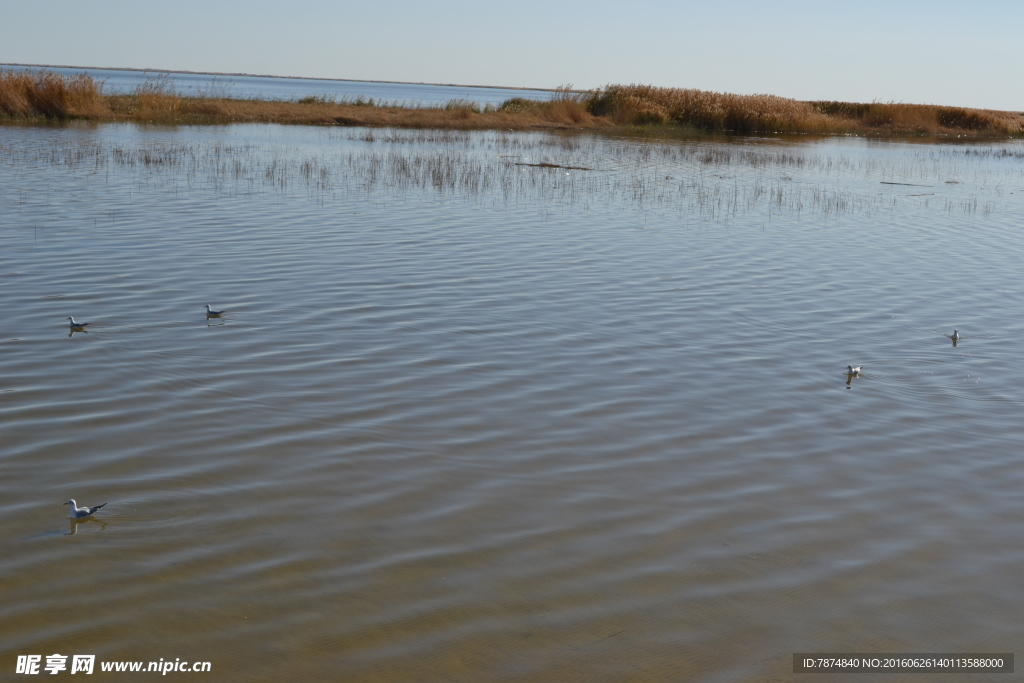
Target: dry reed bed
(183, 111)
(45, 95)
(710, 111)
(50, 95)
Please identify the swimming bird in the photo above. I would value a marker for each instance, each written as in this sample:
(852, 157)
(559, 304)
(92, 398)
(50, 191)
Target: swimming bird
(74, 325)
(850, 370)
(956, 335)
(212, 313)
(81, 513)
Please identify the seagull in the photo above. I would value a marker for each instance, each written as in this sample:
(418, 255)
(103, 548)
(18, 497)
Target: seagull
(850, 370)
(74, 325)
(956, 335)
(210, 313)
(81, 513)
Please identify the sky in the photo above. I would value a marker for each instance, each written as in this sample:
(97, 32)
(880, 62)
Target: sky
(937, 52)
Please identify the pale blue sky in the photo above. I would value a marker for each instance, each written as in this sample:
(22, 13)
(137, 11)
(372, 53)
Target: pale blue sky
(941, 52)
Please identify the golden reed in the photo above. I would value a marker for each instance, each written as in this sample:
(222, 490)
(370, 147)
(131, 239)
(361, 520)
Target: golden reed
(44, 95)
(711, 111)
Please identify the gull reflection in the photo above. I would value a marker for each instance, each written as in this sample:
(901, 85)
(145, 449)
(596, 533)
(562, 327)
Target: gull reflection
(88, 520)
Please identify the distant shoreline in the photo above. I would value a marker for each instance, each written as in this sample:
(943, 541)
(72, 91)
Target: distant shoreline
(43, 96)
(291, 78)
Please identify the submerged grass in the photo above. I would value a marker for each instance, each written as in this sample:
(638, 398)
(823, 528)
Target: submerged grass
(696, 180)
(43, 95)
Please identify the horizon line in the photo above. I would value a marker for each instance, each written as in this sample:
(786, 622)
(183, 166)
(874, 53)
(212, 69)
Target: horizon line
(304, 78)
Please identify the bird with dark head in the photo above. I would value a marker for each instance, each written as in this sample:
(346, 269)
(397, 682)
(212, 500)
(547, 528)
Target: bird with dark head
(83, 512)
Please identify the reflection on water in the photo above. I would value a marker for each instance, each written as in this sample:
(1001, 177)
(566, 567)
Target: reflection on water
(99, 524)
(473, 419)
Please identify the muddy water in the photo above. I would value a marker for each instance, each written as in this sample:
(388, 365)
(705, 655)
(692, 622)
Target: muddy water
(469, 419)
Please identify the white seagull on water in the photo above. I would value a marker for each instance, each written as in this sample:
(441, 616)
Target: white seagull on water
(75, 325)
(956, 335)
(850, 370)
(81, 513)
(212, 313)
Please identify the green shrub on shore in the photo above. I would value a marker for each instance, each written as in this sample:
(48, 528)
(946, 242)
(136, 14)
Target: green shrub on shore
(517, 105)
(325, 99)
(567, 106)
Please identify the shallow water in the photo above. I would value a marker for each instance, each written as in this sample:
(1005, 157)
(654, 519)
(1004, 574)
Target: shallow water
(274, 88)
(467, 419)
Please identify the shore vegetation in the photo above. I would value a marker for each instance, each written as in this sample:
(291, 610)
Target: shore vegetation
(42, 96)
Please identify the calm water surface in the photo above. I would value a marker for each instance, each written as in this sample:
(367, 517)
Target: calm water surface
(467, 419)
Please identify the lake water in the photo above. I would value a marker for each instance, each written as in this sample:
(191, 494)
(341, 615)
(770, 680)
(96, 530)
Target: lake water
(468, 419)
(271, 88)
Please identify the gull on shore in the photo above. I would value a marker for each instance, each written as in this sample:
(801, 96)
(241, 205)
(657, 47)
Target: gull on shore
(75, 325)
(850, 370)
(76, 512)
(210, 313)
